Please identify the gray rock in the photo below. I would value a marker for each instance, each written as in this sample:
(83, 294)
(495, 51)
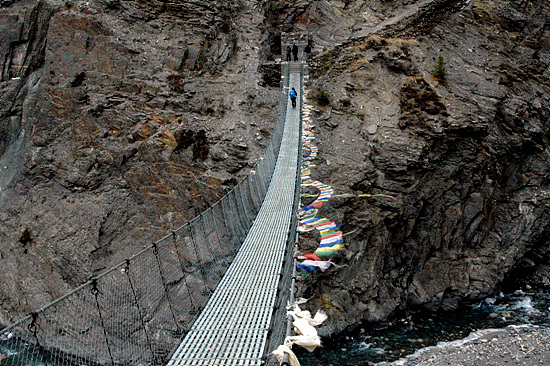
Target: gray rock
(465, 217)
(111, 123)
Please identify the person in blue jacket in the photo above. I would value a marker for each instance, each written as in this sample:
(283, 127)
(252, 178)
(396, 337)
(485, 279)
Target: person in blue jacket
(293, 96)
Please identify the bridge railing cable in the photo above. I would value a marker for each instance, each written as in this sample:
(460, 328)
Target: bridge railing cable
(136, 312)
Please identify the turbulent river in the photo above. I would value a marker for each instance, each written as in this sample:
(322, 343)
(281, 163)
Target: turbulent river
(366, 345)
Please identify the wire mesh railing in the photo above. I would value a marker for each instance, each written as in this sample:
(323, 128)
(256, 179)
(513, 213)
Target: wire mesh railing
(136, 312)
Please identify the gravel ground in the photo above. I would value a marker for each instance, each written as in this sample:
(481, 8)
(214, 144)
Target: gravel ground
(514, 345)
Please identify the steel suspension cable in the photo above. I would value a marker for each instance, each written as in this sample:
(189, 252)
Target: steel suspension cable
(95, 292)
(156, 253)
(141, 313)
(178, 254)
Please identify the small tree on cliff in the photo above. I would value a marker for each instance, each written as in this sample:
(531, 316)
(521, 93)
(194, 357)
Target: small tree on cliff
(323, 97)
(440, 71)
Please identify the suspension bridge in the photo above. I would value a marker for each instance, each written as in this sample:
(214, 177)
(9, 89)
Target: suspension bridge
(212, 292)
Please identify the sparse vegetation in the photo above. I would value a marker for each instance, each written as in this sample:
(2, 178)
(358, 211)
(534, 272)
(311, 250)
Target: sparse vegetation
(325, 63)
(421, 107)
(112, 4)
(440, 71)
(323, 97)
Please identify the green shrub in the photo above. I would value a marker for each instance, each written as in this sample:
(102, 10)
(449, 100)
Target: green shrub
(440, 71)
(323, 97)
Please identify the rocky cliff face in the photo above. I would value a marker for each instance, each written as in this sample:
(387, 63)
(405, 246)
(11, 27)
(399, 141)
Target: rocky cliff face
(467, 160)
(119, 120)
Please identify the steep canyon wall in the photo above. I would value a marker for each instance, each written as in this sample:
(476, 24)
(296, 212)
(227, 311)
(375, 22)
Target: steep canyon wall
(119, 120)
(467, 159)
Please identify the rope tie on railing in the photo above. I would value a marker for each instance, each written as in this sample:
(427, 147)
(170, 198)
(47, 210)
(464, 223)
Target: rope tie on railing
(235, 247)
(206, 290)
(182, 266)
(234, 204)
(141, 313)
(244, 208)
(254, 191)
(95, 292)
(207, 230)
(215, 229)
(33, 328)
(156, 253)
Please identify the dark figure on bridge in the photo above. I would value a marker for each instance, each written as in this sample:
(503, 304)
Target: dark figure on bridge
(295, 52)
(307, 50)
(293, 96)
(288, 52)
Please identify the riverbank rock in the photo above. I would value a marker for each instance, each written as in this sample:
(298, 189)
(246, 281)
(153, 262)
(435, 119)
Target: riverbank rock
(514, 345)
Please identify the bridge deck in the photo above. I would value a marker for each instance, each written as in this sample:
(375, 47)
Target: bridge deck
(233, 327)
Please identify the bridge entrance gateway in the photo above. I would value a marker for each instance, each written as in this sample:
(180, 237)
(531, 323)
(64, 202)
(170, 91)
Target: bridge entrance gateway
(227, 272)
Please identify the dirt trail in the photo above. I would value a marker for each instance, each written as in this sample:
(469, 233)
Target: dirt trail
(407, 12)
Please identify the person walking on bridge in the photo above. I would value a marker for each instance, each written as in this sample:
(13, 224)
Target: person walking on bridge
(307, 50)
(295, 52)
(288, 53)
(293, 96)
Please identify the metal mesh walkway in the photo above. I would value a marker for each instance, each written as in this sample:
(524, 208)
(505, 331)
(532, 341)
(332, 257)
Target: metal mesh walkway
(233, 327)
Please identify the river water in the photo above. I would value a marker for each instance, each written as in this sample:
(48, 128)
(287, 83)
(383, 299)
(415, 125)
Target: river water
(367, 345)
(409, 335)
